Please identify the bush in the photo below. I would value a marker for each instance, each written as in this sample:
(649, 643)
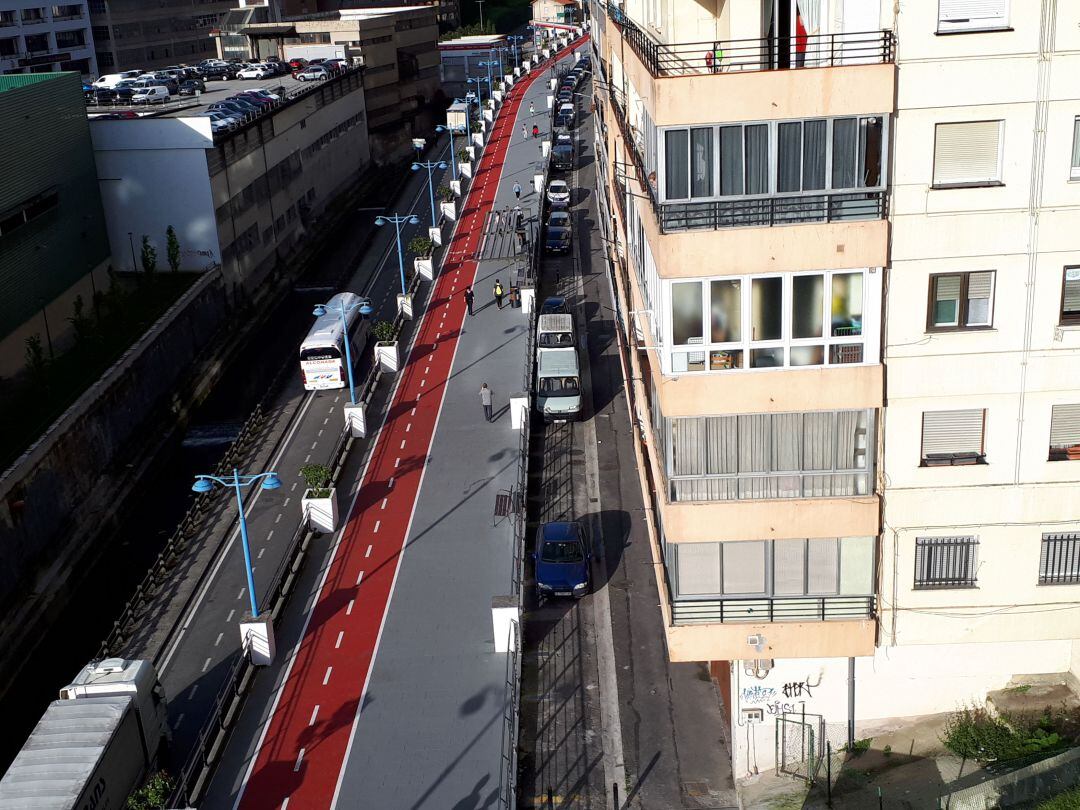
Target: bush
(172, 248)
(148, 258)
(421, 246)
(973, 733)
(153, 795)
(317, 478)
(1069, 800)
(477, 127)
(463, 156)
(444, 193)
(384, 332)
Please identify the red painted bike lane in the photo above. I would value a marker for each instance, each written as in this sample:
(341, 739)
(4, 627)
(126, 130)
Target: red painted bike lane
(304, 743)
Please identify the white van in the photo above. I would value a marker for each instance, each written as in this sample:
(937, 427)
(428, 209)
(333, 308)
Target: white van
(108, 81)
(150, 95)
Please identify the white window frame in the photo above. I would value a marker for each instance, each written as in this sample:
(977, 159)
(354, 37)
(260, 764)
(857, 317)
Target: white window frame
(1074, 155)
(973, 24)
(978, 181)
(786, 341)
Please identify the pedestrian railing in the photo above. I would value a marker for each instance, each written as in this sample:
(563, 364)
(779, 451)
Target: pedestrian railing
(511, 720)
(772, 609)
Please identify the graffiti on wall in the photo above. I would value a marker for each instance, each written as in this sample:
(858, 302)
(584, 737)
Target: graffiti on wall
(790, 697)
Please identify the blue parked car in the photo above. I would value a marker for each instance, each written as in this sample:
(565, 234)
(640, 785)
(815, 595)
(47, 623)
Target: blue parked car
(562, 560)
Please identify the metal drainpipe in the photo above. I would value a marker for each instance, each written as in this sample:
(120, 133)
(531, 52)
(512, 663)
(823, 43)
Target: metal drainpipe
(851, 704)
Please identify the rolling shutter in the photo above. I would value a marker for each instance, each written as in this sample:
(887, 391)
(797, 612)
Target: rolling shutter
(789, 567)
(968, 14)
(1071, 298)
(1064, 425)
(967, 153)
(953, 431)
(698, 568)
(744, 567)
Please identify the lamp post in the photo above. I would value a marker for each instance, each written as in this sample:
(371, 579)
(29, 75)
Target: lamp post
(489, 64)
(397, 220)
(514, 39)
(205, 483)
(364, 305)
(418, 144)
(431, 165)
(478, 81)
(453, 155)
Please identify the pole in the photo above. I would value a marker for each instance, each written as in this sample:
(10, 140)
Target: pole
(348, 351)
(828, 774)
(615, 794)
(131, 244)
(851, 704)
(453, 155)
(244, 543)
(400, 261)
(431, 193)
(480, 5)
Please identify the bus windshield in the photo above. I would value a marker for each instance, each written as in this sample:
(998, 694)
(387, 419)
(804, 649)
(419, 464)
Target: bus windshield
(320, 353)
(560, 386)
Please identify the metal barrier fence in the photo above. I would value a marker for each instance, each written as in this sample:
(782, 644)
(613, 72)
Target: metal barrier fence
(511, 720)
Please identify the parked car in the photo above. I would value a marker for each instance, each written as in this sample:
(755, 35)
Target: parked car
(220, 121)
(109, 80)
(558, 191)
(189, 87)
(338, 63)
(256, 105)
(155, 94)
(565, 97)
(562, 560)
(220, 72)
(261, 93)
(554, 305)
(565, 117)
(116, 116)
(255, 72)
(559, 234)
(298, 64)
(312, 74)
(231, 108)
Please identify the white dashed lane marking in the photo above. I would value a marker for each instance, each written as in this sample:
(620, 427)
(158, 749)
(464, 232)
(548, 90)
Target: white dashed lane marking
(314, 714)
(326, 677)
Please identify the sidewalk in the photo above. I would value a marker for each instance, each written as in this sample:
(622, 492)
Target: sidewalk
(394, 672)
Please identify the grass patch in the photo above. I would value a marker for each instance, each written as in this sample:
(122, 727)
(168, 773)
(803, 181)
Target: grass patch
(973, 733)
(1023, 689)
(104, 330)
(1070, 800)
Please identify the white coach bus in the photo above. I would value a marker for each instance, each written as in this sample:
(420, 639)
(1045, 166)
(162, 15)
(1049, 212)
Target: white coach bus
(322, 354)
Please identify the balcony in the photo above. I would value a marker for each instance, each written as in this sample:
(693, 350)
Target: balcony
(772, 609)
(751, 55)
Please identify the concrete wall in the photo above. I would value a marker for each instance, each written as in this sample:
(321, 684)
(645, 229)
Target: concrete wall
(153, 174)
(66, 485)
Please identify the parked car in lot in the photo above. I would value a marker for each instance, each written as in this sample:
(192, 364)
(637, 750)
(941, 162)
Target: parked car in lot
(189, 87)
(337, 64)
(562, 560)
(155, 94)
(558, 192)
(298, 64)
(253, 103)
(312, 74)
(219, 72)
(565, 97)
(255, 72)
(261, 92)
(565, 117)
(231, 108)
(559, 234)
(220, 121)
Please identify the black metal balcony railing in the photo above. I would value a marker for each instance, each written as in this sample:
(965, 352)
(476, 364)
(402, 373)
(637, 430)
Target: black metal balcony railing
(763, 53)
(763, 609)
(827, 206)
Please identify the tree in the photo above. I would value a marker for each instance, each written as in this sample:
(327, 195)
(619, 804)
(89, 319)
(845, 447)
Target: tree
(80, 323)
(149, 256)
(35, 358)
(172, 248)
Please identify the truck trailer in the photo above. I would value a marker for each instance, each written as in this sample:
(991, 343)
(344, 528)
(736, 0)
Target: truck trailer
(95, 745)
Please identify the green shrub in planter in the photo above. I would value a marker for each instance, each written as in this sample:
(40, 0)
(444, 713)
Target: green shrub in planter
(463, 157)
(421, 246)
(384, 332)
(317, 478)
(476, 127)
(444, 193)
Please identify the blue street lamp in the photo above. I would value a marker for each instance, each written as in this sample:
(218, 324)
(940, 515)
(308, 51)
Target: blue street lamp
(431, 165)
(478, 81)
(365, 312)
(514, 40)
(500, 50)
(397, 220)
(489, 64)
(205, 483)
(452, 130)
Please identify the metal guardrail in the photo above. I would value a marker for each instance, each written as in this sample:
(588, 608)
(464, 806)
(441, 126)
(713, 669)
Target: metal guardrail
(511, 720)
(772, 609)
(830, 206)
(756, 54)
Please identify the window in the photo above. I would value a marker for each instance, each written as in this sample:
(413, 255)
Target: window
(70, 39)
(37, 42)
(779, 157)
(945, 562)
(1059, 559)
(967, 154)
(1074, 164)
(817, 454)
(953, 438)
(961, 301)
(33, 15)
(804, 319)
(1070, 296)
(1065, 433)
(972, 15)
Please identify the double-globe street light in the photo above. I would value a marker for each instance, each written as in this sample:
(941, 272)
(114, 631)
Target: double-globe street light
(500, 50)
(397, 220)
(431, 165)
(514, 39)
(270, 480)
(489, 64)
(459, 129)
(478, 81)
(365, 308)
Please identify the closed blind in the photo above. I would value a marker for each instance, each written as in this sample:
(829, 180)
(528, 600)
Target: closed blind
(972, 13)
(980, 288)
(1072, 290)
(952, 431)
(744, 567)
(947, 288)
(699, 568)
(789, 566)
(822, 566)
(1065, 425)
(967, 152)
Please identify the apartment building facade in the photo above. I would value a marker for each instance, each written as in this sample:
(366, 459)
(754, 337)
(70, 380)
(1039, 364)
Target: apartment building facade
(757, 163)
(37, 38)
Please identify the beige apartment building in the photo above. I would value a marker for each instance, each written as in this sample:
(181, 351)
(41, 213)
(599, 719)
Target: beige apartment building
(780, 181)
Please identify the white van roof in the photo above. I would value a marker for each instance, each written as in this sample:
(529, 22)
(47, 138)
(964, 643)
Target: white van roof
(557, 363)
(555, 323)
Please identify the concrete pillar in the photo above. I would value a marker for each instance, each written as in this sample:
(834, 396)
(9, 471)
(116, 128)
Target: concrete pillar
(356, 419)
(528, 300)
(505, 616)
(257, 638)
(551, 101)
(386, 355)
(519, 409)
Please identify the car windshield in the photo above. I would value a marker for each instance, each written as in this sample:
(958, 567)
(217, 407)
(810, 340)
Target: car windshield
(559, 219)
(558, 187)
(560, 386)
(562, 551)
(551, 340)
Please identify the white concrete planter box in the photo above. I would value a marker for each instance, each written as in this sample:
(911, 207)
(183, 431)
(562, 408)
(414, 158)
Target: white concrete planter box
(497, 95)
(435, 235)
(404, 305)
(489, 116)
(386, 355)
(517, 71)
(465, 169)
(546, 52)
(478, 137)
(356, 419)
(552, 83)
(455, 185)
(449, 210)
(508, 79)
(472, 151)
(321, 514)
(257, 639)
(550, 101)
(424, 268)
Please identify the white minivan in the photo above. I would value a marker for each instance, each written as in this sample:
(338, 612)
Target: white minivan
(155, 94)
(109, 80)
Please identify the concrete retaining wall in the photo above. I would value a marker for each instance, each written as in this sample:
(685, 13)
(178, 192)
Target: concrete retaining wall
(1021, 787)
(62, 489)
